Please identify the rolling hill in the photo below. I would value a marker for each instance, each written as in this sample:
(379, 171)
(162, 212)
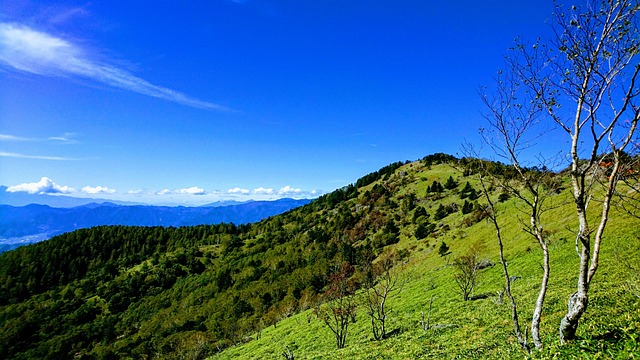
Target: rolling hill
(253, 291)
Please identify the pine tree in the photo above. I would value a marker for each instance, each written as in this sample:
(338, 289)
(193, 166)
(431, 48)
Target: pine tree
(468, 192)
(450, 184)
(467, 207)
(440, 213)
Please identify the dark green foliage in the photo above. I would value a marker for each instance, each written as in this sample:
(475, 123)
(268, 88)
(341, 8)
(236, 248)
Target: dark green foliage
(391, 228)
(419, 212)
(377, 175)
(450, 184)
(467, 207)
(441, 213)
(78, 292)
(472, 166)
(424, 229)
(468, 192)
(348, 192)
(443, 250)
(92, 252)
(438, 158)
(389, 235)
(409, 202)
(478, 214)
(435, 187)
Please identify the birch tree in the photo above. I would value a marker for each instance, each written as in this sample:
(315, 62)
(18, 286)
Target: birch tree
(388, 281)
(582, 82)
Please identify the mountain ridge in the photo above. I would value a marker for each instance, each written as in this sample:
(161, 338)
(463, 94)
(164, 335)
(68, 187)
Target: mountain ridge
(36, 222)
(250, 291)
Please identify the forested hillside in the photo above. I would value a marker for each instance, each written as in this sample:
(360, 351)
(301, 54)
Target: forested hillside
(32, 223)
(256, 290)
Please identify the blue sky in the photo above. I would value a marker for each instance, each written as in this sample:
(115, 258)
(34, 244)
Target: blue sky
(193, 102)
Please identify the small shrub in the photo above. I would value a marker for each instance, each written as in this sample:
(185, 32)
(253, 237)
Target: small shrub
(443, 250)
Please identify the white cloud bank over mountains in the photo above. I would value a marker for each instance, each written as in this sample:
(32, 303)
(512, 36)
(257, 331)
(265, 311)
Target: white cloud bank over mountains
(44, 186)
(283, 191)
(47, 186)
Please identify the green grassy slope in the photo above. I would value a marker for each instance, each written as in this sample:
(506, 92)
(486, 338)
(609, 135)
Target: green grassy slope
(482, 328)
(248, 291)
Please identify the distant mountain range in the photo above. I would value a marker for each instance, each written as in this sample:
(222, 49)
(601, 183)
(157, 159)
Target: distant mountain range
(20, 225)
(59, 201)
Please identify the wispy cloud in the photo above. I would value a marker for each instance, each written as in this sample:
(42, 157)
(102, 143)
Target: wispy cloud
(5, 137)
(67, 15)
(44, 186)
(35, 157)
(25, 49)
(66, 138)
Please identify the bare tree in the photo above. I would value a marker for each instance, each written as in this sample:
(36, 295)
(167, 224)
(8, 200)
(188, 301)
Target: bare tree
(388, 281)
(340, 308)
(493, 217)
(467, 267)
(583, 81)
(514, 126)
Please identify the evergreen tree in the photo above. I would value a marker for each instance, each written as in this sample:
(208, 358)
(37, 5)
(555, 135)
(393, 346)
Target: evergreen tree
(467, 207)
(435, 187)
(450, 184)
(468, 192)
(420, 211)
(441, 213)
(424, 229)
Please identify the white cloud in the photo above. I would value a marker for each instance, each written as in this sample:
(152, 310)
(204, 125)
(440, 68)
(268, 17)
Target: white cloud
(135, 192)
(270, 193)
(35, 157)
(238, 190)
(194, 190)
(288, 190)
(265, 191)
(68, 15)
(44, 186)
(25, 49)
(97, 190)
(66, 138)
(5, 137)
